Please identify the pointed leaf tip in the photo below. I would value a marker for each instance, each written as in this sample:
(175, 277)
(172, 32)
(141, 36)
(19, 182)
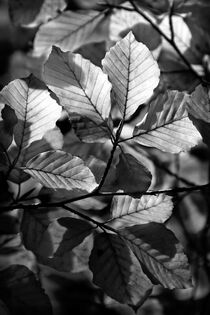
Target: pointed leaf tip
(133, 73)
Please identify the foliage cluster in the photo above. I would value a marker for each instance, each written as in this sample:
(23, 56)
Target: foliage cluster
(114, 84)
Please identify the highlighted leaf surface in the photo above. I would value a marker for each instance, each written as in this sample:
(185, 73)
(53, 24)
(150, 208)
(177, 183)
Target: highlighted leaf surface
(127, 211)
(58, 169)
(167, 126)
(81, 87)
(133, 73)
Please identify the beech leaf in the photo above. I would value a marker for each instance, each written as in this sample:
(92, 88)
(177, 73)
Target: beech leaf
(132, 176)
(58, 169)
(167, 126)
(89, 131)
(33, 13)
(77, 231)
(22, 292)
(36, 111)
(7, 123)
(160, 254)
(81, 87)
(69, 31)
(133, 73)
(117, 271)
(126, 211)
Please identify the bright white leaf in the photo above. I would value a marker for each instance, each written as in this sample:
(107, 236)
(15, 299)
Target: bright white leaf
(81, 87)
(132, 176)
(160, 254)
(167, 126)
(117, 271)
(127, 211)
(69, 30)
(36, 111)
(133, 73)
(58, 169)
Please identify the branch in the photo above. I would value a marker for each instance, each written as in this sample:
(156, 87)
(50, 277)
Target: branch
(172, 191)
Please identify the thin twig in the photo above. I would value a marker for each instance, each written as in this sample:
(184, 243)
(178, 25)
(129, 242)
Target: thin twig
(171, 191)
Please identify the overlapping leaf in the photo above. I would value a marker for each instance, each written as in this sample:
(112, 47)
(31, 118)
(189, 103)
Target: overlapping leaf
(199, 104)
(69, 31)
(132, 176)
(58, 169)
(23, 292)
(89, 131)
(123, 21)
(33, 13)
(7, 123)
(126, 211)
(117, 271)
(167, 126)
(36, 112)
(160, 253)
(81, 87)
(133, 73)
(77, 231)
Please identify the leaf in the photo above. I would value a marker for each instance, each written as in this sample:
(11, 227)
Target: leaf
(198, 107)
(117, 271)
(32, 13)
(126, 211)
(160, 254)
(89, 131)
(167, 126)
(199, 104)
(81, 87)
(133, 73)
(36, 112)
(77, 231)
(58, 169)
(70, 30)
(132, 176)
(7, 123)
(34, 229)
(22, 292)
(123, 21)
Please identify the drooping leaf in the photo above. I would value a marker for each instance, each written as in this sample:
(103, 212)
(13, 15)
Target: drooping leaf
(36, 112)
(58, 169)
(132, 176)
(133, 73)
(70, 30)
(167, 126)
(160, 254)
(22, 292)
(117, 271)
(33, 13)
(81, 87)
(77, 231)
(127, 211)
